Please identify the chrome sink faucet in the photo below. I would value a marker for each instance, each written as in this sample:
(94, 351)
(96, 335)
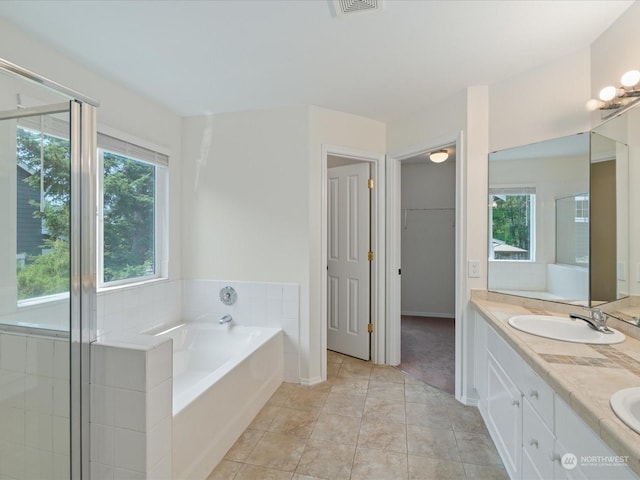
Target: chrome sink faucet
(597, 320)
(225, 319)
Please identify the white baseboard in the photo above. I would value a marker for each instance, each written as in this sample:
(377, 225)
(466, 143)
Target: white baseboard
(428, 314)
(310, 381)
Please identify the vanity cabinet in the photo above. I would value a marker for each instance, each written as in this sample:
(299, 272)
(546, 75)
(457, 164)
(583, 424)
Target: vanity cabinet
(502, 414)
(531, 426)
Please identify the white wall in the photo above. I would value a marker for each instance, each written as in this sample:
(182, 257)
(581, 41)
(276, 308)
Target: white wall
(444, 119)
(251, 203)
(428, 238)
(245, 196)
(541, 104)
(615, 52)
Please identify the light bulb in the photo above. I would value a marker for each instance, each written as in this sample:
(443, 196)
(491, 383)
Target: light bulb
(593, 105)
(439, 156)
(608, 93)
(630, 79)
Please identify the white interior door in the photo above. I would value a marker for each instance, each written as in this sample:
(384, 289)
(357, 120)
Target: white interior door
(348, 289)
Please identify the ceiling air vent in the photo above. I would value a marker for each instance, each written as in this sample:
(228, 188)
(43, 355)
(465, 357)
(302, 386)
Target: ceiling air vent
(342, 7)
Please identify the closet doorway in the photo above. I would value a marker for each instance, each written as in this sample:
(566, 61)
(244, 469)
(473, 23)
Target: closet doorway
(428, 250)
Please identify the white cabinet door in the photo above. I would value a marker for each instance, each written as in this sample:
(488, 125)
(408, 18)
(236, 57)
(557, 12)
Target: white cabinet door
(504, 416)
(594, 460)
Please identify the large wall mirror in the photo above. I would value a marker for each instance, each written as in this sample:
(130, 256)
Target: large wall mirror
(559, 216)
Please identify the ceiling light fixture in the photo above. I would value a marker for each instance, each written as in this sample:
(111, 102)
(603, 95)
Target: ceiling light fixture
(611, 98)
(438, 156)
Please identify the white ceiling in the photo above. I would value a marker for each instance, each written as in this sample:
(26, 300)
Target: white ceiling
(203, 56)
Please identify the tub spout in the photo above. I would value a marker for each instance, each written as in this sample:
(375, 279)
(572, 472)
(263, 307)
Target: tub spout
(225, 319)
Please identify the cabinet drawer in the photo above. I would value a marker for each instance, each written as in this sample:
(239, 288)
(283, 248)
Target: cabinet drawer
(537, 441)
(506, 356)
(539, 394)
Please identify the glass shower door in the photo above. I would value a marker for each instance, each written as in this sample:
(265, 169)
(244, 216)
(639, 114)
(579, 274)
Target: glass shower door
(35, 293)
(42, 377)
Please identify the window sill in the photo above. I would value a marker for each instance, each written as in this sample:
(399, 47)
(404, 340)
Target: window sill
(132, 284)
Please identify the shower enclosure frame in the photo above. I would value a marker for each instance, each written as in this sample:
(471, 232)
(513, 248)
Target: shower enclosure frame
(83, 204)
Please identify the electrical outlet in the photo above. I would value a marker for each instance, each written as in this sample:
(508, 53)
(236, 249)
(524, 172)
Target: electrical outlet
(474, 268)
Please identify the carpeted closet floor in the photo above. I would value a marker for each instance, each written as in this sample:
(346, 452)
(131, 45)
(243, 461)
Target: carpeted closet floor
(428, 350)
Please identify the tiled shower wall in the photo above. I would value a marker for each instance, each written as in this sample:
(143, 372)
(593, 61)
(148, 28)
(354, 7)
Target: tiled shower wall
(34, 407)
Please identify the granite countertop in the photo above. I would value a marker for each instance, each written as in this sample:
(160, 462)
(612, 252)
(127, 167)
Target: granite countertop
(583, 375)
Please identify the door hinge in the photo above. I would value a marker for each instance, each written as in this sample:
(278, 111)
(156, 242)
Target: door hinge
(370, 256)
(370, 184)
(370, 328)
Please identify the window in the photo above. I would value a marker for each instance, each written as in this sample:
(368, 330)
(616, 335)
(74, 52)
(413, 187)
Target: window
(42, 207)
(132, 199)
(512, 223)
(582, 208)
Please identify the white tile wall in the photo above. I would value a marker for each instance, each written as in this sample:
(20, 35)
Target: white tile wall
(34, 407)
(134, 309)
(131, 414)
(259, 304)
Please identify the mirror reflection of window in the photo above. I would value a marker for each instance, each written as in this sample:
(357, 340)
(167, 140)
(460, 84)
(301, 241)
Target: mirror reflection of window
(572, 230)
(512, 223)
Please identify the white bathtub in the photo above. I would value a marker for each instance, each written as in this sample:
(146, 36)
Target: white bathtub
(222, 377)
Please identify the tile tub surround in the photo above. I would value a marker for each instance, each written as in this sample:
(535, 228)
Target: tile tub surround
(366, 422)
(584, 376)
(259, 304)
(131, 407)
(135, 308)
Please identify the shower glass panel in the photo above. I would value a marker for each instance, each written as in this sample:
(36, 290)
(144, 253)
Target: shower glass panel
(39, 301)
(572, 230)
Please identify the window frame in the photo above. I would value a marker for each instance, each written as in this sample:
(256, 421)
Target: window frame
(528, 189)
(161, 204)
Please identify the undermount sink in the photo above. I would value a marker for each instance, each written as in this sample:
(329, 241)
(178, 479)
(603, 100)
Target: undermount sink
(626, 405)
(564, 329)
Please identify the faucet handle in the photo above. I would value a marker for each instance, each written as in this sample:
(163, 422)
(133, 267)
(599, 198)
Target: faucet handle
(598, 315)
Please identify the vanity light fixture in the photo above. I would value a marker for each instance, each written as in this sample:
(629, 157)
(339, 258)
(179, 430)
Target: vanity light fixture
(613, 98)
(438, 156)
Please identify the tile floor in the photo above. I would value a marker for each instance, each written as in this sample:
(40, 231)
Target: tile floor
(366, 422)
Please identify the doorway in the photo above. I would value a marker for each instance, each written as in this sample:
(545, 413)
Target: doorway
(428, 216)
(336, 155)
(425, 294)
